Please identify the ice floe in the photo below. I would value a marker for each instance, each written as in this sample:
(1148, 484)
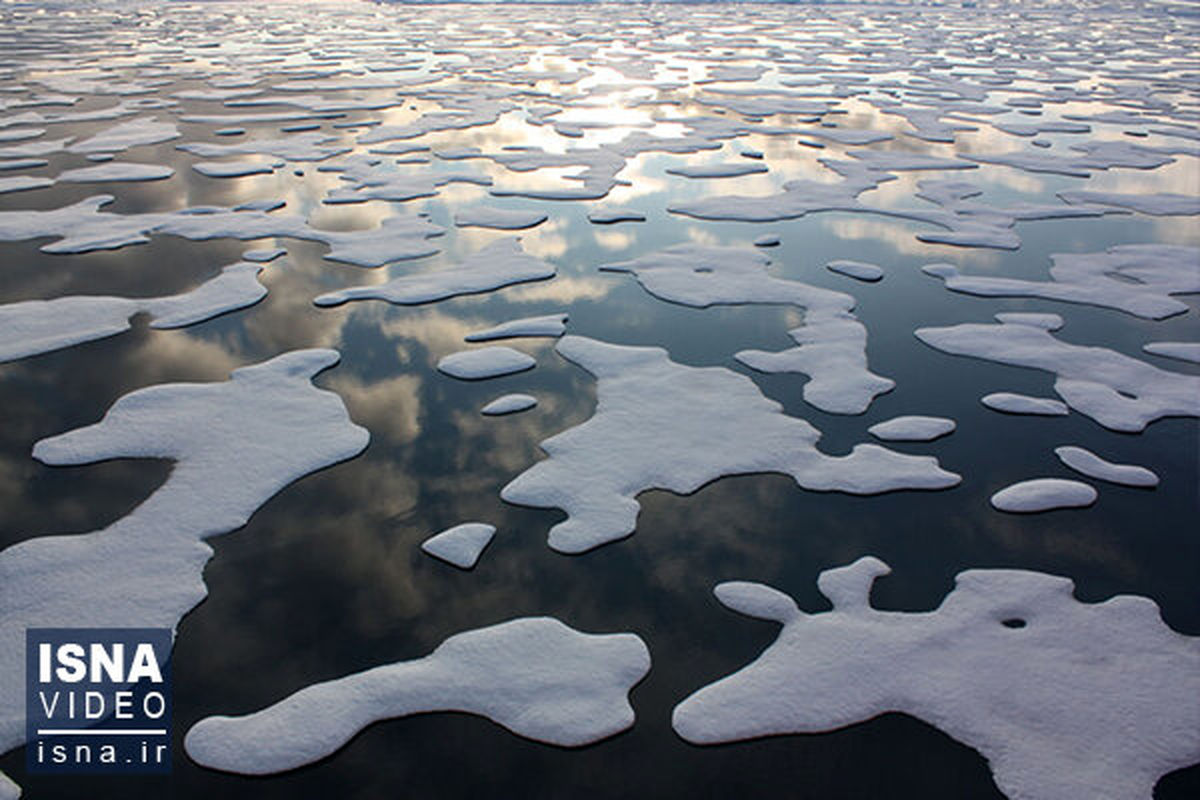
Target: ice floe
(505, 219)
(1098, 699)
(660, 424)
(486, 362)
(1011, 403)
(536, 676)
(608, 215)
(40, 326)
(1043, 494)
(831, 345)
(912, 428)
(501, 263)
(134, 133)
(1182, 351)
(461, 545)
(1118, 391)
(116, 171)
(1138, 279)
(235, 444)
(552, 325)
(1088, 463)
(509, 404)
(856, 269)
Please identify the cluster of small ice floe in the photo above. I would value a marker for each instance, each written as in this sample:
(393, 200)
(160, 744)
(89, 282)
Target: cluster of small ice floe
(501, 263)
(1138, 279)
(1118, 391)
(83, 228)
(536, 676)
(461, 545)
(659, 424)
(39, 326)
(1087, 710)
(831, 345)
(146, 569)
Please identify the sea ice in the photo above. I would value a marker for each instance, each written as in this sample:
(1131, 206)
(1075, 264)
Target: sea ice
(1136, 279)
(133, 133)
(234, 169)
(831, 345)
(536, 676)
(235, 444)
(608, 215)
(116, 171)
(39, 326)
(504, 219)
(1043, 494)
(1011, 403)
(717, 170)
(461, 545)
(912, 429)
(22, 183)
(509, 404)
(486, 362)
(501, 263)
(1088, 463)
(552, 325)
(1064, 699)
(1118, 391)
(1183, 351)
(659, 424)
(1158, 204)
(856, 269)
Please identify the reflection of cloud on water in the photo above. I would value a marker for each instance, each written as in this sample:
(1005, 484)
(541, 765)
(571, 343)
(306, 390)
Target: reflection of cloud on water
(390, 408)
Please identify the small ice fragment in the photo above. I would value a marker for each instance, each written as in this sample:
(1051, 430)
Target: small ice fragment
(21, 183)
(767, 240)
(1088, 463)
(613, 214)
(504, 219)
(912, 428)
(486, 362)
(117, 171)
(1010, 403)
(1182, 351)
(1043, 494)
(856, 269)
(552, 325)
(232, 169)
(717, 170)
(264, 255)
(461, 545)
(509, 404)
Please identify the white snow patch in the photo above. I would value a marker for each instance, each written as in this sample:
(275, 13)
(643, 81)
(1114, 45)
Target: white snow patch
(1011, 403)
(551, 325)
(913, 428)
(509, 404)
(856, 269)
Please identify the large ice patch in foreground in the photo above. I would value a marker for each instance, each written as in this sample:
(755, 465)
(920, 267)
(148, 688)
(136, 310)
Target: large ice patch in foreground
(663, 425)
(234, 444)
(535, 676)
(1065, 699)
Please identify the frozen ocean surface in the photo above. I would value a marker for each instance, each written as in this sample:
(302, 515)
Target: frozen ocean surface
(741, 243)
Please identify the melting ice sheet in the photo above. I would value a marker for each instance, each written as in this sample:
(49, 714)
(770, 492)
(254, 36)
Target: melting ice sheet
(1065, 700)
(234, 444)
(536, 676)
(659, 424)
